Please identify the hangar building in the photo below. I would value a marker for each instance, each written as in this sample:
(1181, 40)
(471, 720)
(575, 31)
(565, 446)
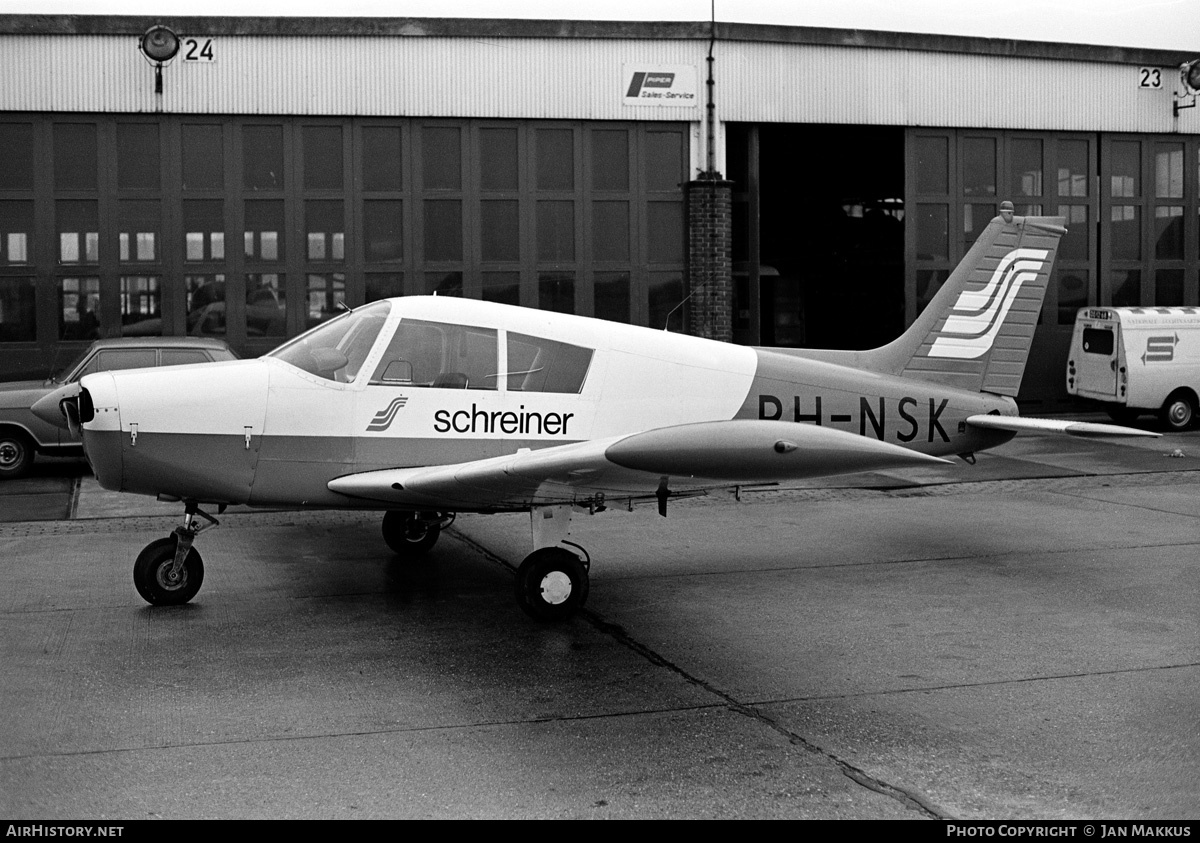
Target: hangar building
(759, 184)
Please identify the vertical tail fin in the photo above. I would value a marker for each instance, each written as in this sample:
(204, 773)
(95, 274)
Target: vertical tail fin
(977, 331)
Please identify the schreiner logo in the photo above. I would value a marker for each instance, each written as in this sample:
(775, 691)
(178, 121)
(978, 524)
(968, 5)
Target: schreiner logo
(976, 317)
(384, 418)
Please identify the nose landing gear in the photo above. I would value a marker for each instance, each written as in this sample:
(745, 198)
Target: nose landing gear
(169, 571)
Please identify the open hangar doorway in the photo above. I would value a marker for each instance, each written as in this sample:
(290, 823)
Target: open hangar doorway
(818, 234)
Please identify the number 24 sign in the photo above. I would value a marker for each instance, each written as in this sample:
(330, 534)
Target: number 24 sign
(198, 50)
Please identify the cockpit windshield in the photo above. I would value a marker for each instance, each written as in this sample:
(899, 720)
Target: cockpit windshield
(335, 350)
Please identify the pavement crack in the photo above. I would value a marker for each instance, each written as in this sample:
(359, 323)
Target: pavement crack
(911, 800)
(1019, 680)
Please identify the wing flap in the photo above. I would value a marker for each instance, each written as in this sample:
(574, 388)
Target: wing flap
(692, 457)
(1020, 424)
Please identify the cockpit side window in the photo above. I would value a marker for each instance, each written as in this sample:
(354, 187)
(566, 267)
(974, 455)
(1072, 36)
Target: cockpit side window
(541, 365)
(440, 355)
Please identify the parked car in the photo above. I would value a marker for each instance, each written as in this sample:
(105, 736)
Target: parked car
(23, 433)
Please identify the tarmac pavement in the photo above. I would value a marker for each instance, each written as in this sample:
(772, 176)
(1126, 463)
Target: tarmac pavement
(1013, 639)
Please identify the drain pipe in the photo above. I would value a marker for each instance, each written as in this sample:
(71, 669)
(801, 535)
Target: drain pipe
(711, 106)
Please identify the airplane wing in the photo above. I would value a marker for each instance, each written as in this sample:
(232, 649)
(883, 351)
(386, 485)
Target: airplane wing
(1019, 424)
(677, 459)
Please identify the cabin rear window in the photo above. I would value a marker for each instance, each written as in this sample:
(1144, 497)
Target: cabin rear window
(1098, 341)
(541, 365)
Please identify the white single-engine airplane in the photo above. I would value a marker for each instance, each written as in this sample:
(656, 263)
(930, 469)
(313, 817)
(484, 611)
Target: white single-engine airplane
(427, 406)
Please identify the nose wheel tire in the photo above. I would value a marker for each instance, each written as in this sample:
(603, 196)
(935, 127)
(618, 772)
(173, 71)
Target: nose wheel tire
(408, 534)
(16, 455)
(552, 584)
(154, 580)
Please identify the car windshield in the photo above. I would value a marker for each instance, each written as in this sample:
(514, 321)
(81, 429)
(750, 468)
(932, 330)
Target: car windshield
(59, 372)
(335, 350)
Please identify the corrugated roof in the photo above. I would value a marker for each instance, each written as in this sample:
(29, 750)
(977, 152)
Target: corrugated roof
(348, 27)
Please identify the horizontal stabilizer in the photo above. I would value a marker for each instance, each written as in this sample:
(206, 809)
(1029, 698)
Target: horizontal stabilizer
(1018, 424)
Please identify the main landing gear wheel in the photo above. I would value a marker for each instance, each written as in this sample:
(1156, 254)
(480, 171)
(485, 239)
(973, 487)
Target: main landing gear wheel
(552, 584)
(410, 534)
(157, 579)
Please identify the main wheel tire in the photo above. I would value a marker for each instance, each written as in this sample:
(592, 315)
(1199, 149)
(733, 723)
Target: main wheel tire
(409, 535)
(1179, 410)
(151, 574)
(16, 454)
(552, 584)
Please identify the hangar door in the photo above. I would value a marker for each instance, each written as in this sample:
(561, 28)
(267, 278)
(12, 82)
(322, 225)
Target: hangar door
(818, 234)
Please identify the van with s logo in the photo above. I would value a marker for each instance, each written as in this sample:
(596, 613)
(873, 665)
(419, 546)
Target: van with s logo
(1137, 360)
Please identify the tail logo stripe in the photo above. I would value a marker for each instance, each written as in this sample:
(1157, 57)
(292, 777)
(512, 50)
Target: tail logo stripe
(977, 316)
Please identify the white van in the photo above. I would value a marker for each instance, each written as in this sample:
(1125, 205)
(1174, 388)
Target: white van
(1138, 360)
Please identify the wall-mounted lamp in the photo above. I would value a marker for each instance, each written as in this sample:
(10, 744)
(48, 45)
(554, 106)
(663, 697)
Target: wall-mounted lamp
(159, 44)
(1189, 83)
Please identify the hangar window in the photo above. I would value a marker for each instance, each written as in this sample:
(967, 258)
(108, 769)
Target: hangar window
(138, 222)
(326, 295)
(322, 157)
(79, 309)
(141, 305)
(204, 230)
(203, 157)
(325, 228)
(383, 230)
(503, 287)
(442, 157)
(266, 304)
(138, 156)
(262, 157)
(16, 231)
(498, 157)
(16, 139)
(205, 303)
(18, 319)
(541, 365)
(78, 232)
(75, 156)
(264, 230)
(382, 165)
(441, 356)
